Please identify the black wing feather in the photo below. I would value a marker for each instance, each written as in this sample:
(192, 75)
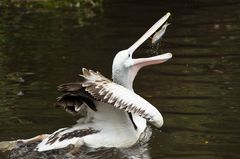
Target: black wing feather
(73, 98)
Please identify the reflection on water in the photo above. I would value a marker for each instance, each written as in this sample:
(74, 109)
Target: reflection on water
(197, 91)
(137, 151)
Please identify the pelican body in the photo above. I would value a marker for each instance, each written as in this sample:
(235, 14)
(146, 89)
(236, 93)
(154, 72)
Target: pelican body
(115, 116)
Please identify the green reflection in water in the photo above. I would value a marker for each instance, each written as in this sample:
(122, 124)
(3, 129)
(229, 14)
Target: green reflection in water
(35, 37)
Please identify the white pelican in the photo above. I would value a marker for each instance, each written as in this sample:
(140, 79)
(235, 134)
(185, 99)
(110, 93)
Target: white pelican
(115, 115)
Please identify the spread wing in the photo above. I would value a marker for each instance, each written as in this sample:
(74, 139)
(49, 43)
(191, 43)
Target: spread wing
(103, 89)
(97, 87)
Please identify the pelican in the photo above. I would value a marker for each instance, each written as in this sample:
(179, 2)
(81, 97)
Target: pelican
(115, 116)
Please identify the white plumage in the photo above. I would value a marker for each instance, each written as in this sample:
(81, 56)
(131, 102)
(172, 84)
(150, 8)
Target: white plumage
(115, 116)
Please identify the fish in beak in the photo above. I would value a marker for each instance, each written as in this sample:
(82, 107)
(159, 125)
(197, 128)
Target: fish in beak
(158, 35)
(149, 33)
(141, 62)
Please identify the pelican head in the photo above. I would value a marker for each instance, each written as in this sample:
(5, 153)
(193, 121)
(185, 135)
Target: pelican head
(125, 68)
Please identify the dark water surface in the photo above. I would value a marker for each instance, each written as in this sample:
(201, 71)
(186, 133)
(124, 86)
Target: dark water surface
(198, 91)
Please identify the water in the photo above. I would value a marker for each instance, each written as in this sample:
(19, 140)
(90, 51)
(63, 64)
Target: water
(197, 91)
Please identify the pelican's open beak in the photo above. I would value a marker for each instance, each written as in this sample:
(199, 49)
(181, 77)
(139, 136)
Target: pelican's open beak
(150, 31)
(141, 62)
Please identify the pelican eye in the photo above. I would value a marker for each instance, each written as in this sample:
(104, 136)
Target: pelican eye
(129, 55)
